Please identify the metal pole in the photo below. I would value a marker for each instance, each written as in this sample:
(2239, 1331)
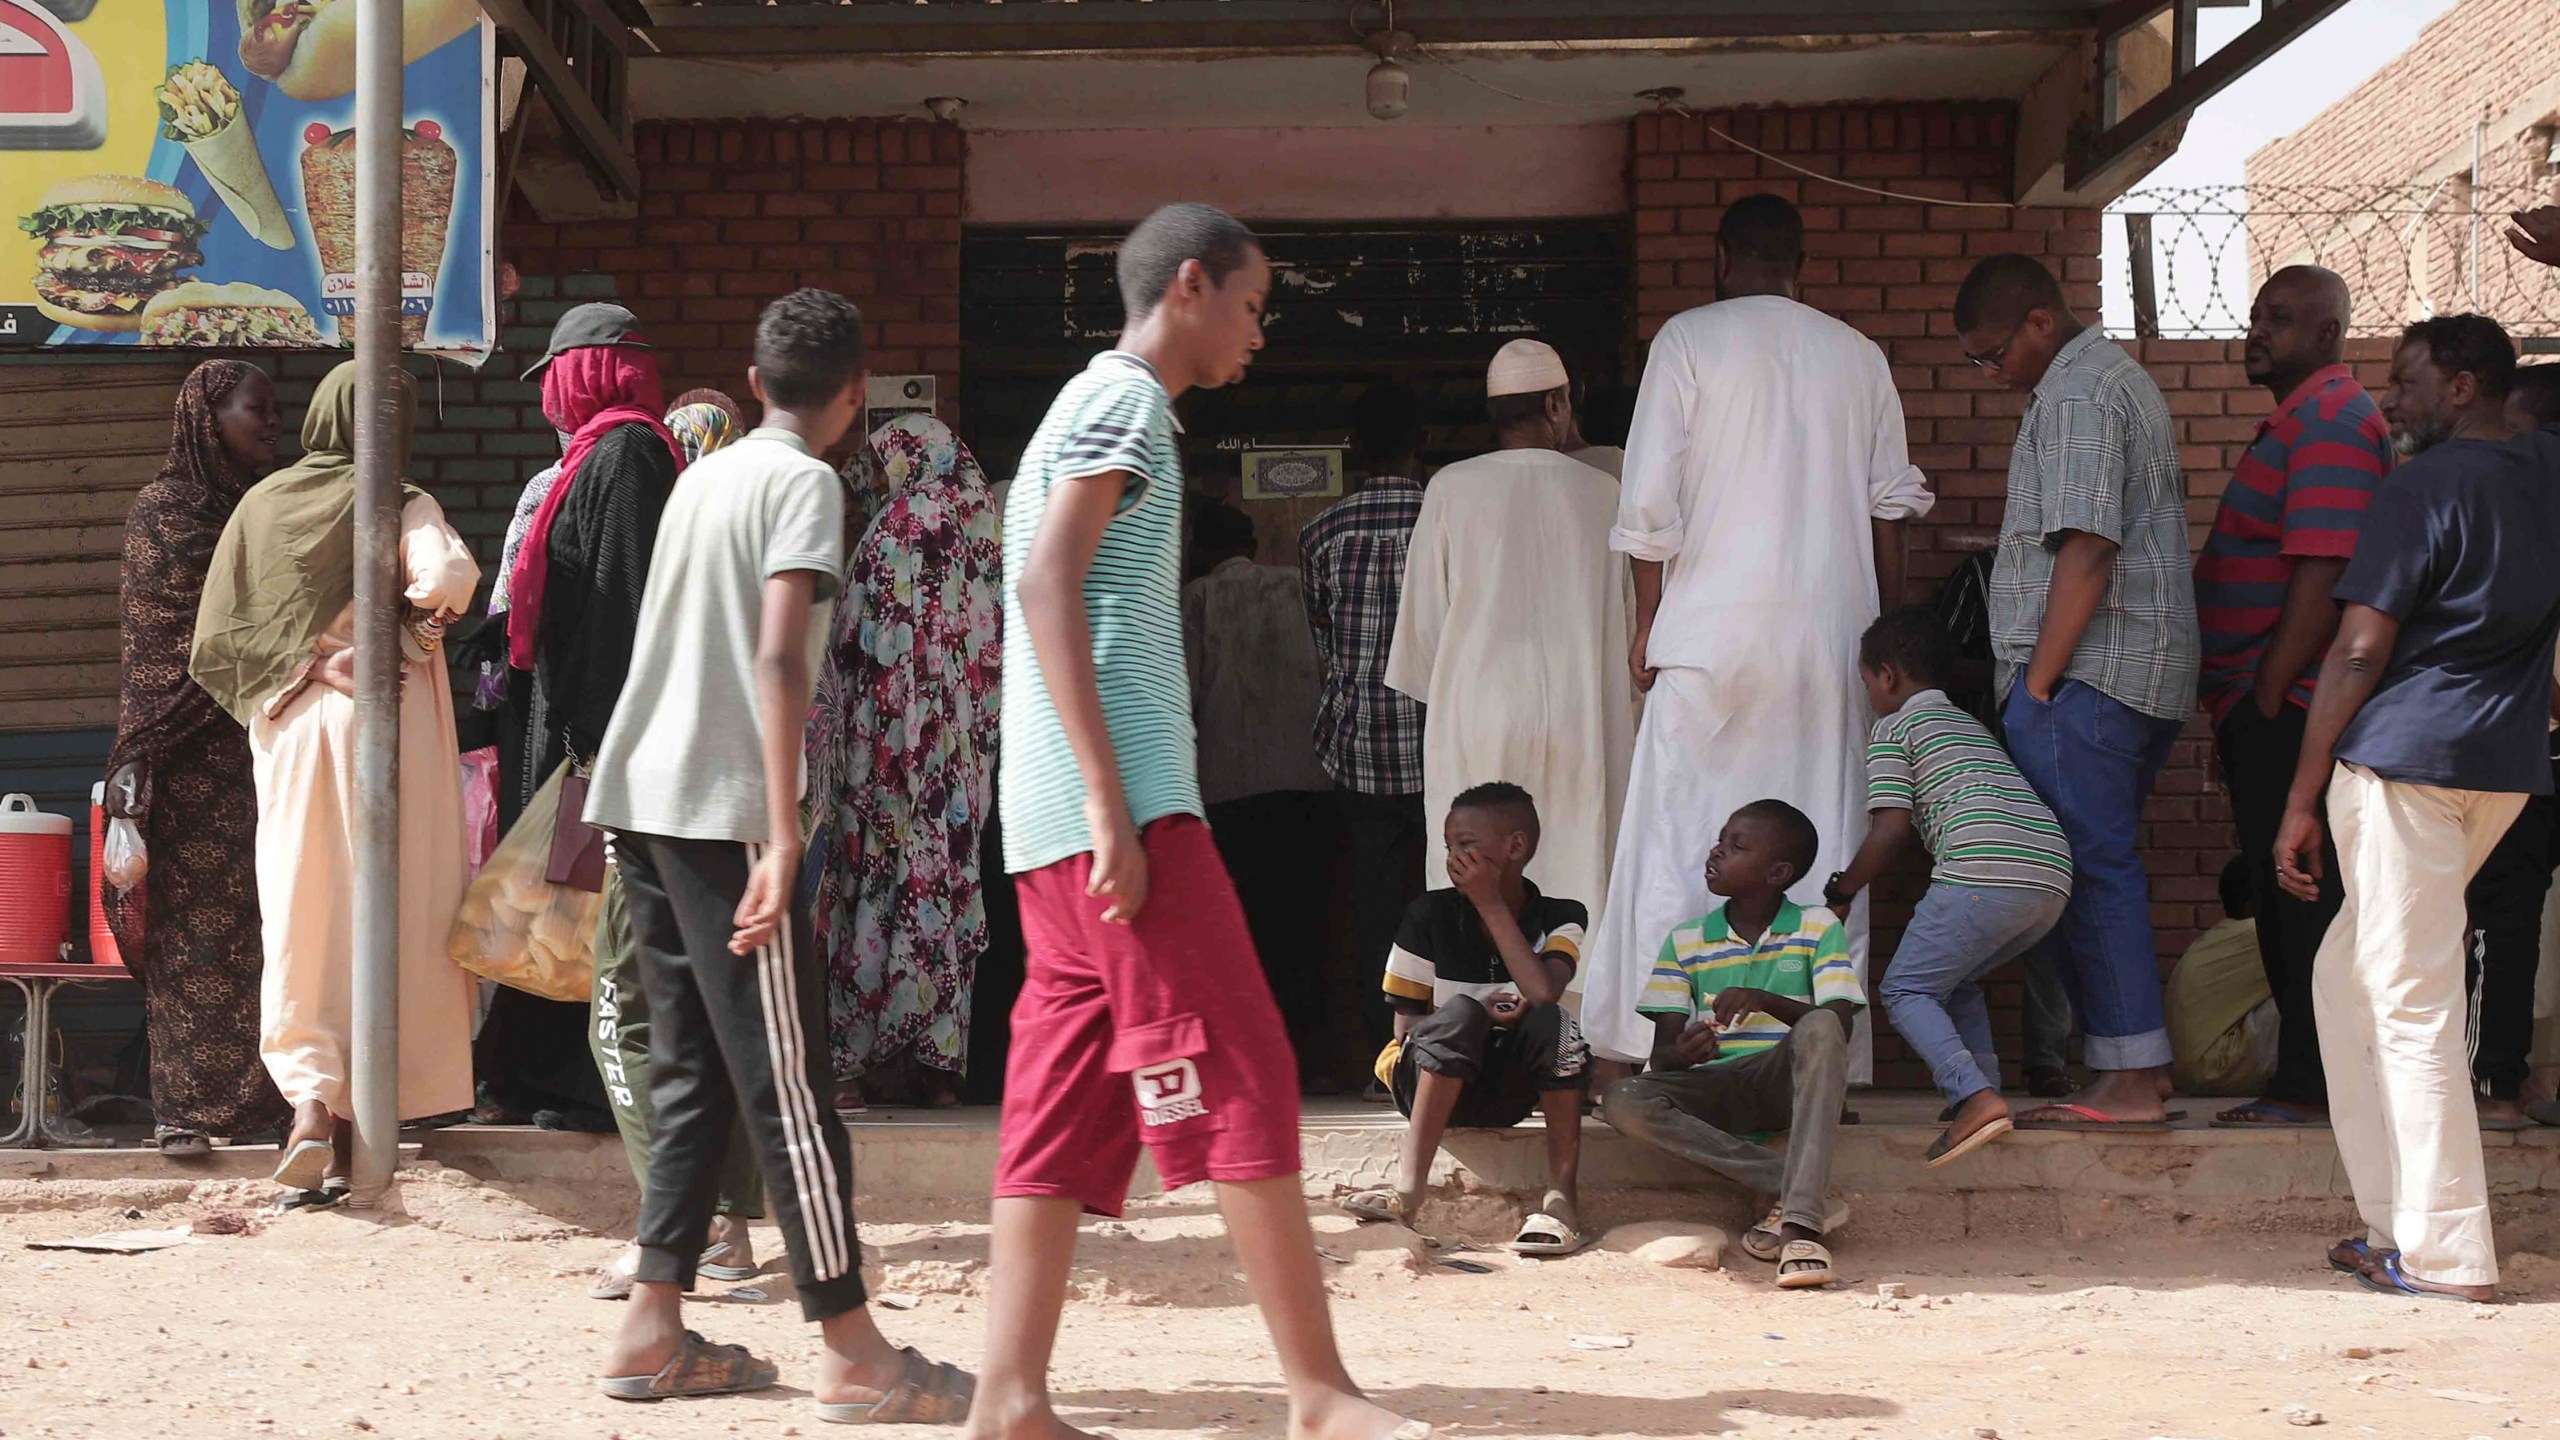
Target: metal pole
(379, 600)
(2479, 127)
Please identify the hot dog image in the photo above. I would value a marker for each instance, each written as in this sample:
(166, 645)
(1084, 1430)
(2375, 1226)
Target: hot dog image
(427, 166)
(308, 47)
(111, 242)
(202, 316)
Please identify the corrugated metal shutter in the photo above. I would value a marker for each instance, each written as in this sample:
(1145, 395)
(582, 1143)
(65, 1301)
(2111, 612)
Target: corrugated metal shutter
(76, 440)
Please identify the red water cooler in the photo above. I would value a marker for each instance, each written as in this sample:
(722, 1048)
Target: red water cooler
(35, 882)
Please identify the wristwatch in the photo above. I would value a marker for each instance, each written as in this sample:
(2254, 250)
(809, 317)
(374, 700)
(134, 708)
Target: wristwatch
(1831, 891)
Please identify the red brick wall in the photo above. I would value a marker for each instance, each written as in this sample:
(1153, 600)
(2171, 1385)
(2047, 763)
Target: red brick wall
(738, 212)
(1891, 267)
(2482, 55)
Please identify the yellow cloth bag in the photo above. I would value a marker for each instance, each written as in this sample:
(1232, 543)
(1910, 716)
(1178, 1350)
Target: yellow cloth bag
(2213, 991)
(519, 929)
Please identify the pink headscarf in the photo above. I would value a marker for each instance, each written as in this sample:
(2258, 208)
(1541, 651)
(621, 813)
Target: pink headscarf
(585, 393)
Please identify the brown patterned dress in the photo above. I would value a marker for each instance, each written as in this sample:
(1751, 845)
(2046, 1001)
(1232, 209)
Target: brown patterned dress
(190, 930)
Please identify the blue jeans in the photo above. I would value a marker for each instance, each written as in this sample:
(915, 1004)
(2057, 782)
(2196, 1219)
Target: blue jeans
(2093, 759)
(1933, 991)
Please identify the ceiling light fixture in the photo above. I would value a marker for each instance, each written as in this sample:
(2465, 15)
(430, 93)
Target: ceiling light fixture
(1389, 91)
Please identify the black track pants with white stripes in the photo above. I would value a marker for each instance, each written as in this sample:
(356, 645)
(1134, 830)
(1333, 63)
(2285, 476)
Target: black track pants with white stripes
(735, 1034)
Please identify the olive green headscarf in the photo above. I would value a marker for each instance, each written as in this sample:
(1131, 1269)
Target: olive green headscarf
(286, 563)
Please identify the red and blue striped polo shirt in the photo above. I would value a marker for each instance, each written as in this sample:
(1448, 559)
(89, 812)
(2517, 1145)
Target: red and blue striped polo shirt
(2300, 492)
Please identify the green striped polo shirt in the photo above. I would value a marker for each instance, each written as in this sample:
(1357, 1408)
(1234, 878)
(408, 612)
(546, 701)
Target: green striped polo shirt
(1114, 416)
(1803, 955)
(1976, 815)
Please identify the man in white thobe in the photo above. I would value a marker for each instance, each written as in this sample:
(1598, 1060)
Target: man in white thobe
(1766, 483)
(1514, 616)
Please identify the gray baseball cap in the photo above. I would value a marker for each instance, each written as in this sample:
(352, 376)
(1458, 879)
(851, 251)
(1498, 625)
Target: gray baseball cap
(598, 322)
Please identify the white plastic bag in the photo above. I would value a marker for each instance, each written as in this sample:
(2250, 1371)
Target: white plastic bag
(125, 858)
(519, 929)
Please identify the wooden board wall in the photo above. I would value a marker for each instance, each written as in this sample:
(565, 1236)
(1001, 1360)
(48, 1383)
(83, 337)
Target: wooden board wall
(76, 441)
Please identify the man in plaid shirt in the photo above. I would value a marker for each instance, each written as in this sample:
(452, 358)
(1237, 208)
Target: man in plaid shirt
(1351, 565)
(2093, 630)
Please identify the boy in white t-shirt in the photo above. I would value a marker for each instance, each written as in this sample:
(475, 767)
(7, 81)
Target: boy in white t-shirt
(699, 780)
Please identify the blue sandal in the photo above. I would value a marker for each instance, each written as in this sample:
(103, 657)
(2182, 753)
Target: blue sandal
(2392, 1282)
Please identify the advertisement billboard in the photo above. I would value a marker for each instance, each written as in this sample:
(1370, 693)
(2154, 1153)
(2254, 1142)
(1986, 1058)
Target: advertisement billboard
(181, 173)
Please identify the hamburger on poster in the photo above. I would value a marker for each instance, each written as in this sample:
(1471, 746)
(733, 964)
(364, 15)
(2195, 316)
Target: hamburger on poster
(308, 47)
(110, 243)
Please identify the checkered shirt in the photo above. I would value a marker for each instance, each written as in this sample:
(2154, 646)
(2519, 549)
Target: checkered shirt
(2096, 453)
(1351, 564)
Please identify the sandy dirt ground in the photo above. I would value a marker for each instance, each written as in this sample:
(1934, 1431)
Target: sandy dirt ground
(460, 1313)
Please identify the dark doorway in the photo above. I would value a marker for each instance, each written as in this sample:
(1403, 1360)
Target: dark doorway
(1422, 305)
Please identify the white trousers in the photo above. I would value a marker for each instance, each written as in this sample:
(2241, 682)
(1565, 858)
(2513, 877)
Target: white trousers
(2388, 992)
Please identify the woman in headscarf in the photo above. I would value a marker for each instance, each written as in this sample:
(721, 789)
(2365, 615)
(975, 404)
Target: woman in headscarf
(901, 753)
(573, 612)
(703, 421)
(274, 646)
(180, 770)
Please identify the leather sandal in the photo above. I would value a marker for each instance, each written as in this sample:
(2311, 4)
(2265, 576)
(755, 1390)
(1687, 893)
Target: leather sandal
(697, 1368)
(928, 1392)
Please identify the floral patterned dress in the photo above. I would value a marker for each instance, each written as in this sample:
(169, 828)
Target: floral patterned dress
(901, 750)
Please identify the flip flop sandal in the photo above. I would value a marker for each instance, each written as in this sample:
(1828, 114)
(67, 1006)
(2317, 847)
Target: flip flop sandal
(2518, 1123)
(2391, 1281)
(180, 1143)
(2286, 1117)
(1762, 1241)
(612, 1284)
(1947, 1149)
(1373, 1207)
(697, 1368)
(2082, 1118)
(2543, 1112)
(2362, 1256)
(1812, 1266)
(301, 1166)
(710, 1266)
(1545, 1235)
(927, 1393)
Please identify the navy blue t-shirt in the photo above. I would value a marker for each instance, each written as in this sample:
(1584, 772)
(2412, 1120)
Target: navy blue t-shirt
(2462, 546)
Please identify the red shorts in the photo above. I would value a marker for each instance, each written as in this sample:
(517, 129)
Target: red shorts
(1161, 1032)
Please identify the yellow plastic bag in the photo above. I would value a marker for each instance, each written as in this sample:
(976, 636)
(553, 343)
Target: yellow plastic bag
(519, 929)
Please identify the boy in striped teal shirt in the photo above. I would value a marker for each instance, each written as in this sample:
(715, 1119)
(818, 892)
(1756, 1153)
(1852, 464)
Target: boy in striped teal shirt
(2001, 877)
(1751, 1006)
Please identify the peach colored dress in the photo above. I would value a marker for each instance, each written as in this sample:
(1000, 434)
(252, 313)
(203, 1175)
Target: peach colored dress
(303, 746)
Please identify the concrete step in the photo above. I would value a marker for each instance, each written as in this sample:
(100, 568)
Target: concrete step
(2080, 1183)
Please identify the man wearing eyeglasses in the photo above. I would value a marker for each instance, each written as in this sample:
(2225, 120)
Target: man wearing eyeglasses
(2093, 632)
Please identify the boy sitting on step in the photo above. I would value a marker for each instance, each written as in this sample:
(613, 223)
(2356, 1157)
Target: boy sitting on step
(1476, 977)
(1751, 1005)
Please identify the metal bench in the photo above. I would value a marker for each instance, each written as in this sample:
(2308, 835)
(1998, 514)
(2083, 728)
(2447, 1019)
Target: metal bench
(36, 1128)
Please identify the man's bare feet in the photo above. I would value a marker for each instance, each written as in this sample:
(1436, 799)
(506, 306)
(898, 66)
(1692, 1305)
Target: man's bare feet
(1972, 1123)
(342, 1152)
(2127, 1094)
(1565, 1208)
(651, 1330)
(728, 1245)
(1348, 1415)
(1032, 1420)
